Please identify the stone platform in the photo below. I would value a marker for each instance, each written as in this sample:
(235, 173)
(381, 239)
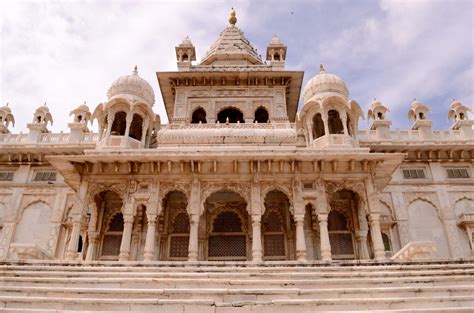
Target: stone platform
(224, 287)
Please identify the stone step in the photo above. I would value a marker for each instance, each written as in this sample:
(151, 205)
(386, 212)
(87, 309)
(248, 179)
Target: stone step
(230, 274)
(269, 309)
(207, 305)
(223, 267)
(175, 282)
(233, 294)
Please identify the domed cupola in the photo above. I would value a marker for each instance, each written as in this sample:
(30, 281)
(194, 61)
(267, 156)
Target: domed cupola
(127, 120)
(324, 83)
(6, 118)
(329, 118)
(133, 87)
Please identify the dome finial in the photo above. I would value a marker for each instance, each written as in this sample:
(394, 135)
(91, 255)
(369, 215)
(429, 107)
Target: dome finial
(321, 69)
(135, 70)
(232, 18)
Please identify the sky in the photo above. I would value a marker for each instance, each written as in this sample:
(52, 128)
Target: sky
(67, 52)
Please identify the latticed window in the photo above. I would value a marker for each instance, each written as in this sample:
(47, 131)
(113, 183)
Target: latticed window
(179, 237)
(457, 172)
(225, 240)
(180, 223)
(45, 176)
(113, 237)
(414, 173)
(273, 236)
(340, 237)
(6, 176)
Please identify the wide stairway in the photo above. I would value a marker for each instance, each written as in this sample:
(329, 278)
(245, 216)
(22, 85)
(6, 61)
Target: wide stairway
(224, 287)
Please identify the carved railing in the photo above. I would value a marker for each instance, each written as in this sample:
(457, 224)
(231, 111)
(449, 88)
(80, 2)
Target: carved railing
(13, 138)
(466, 219)
(409, 135)
(231, 125)
(415, 250)
(46, 139)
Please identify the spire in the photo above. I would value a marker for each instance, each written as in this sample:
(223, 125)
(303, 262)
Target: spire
(232, 17)
(135, 70)
(321, 69)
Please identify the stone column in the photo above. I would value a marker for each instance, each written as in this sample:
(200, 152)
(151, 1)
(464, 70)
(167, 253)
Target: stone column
(361, 237)
(256, 238)
(110, 121)
(374, 219)
(74, 241)
(149, 252)
(326, 123)
(376, 234)
(126, 237)
(324, 236)
(344, 123)
(300, 240)
(193, 237)
(92, 232)
(93, 243)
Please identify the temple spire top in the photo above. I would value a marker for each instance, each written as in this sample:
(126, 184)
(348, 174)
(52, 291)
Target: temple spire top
(232, 17)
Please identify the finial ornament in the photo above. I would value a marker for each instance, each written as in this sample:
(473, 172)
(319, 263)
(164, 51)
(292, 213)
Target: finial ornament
(232, 18)
(321, 69)
(135, 70)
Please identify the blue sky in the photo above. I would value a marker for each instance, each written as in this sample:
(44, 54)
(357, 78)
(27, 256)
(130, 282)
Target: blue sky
(68, 52)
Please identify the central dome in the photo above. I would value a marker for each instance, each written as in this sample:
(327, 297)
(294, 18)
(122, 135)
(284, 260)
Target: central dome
(324, 82)
(132, 85)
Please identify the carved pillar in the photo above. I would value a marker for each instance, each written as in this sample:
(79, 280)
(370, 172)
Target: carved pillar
(77, 218)
(325, 122)
(92, 232)
(144, 132)
(149, 252)
(129, 122)
(344, 123)
(110, 121)
(300, 240)
(324, 236)
(374, 218)
(256, 238)
(376, 235)
(361, 237)
(93, 244)
(126, 237)
(74, 241)
(310, 126)
(193, 237)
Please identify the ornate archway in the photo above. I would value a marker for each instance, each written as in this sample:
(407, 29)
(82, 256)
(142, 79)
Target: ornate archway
(226, 223)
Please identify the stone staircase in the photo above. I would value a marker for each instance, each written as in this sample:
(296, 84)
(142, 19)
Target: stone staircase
(225, 287)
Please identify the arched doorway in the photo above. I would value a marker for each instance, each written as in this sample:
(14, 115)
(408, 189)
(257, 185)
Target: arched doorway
(277, 228)
(226, 227)
(230, 115)
(335, 123)
(110, 221)
(261, 115)
(175, 225)
(199, 116)
(348, 226)
(318, 126)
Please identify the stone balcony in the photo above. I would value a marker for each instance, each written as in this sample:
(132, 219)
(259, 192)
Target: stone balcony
(398, 137)
(335, 141)
(466, 219)
(46, 139)
(124, 142)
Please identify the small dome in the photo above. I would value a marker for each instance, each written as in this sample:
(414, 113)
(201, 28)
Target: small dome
(6, 108)
(134, 85)
(324, 82)
(275, 40)
(186, 42)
